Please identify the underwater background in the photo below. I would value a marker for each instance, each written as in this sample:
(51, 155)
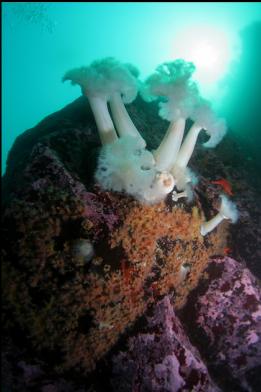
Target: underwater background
(40, 41)
(131, 256)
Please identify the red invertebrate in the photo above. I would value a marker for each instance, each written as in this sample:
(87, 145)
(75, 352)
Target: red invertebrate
(225, 185)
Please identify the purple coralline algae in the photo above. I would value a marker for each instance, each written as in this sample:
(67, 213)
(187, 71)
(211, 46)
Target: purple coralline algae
(54, 172)
(161, 360)
(230, 315)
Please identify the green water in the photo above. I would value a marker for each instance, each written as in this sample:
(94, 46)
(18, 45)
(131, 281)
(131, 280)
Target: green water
(40, 41)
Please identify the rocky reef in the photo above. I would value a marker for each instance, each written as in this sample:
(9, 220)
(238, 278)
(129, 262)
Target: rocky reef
(162, 359)
(226, 310)
(82, 266)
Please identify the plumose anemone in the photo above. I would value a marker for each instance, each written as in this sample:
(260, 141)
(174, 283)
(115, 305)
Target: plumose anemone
(124, 164)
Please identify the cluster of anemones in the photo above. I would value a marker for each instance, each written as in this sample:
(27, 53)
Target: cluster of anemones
(125, 165)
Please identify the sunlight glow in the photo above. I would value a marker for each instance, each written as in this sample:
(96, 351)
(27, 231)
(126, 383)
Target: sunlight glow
(209, 48)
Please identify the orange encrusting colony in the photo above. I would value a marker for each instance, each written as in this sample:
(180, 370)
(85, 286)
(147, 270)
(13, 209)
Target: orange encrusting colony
(80, 309)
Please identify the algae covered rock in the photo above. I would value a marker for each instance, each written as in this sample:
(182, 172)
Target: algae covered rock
(224, 312)
(81, 265)
(162, 359)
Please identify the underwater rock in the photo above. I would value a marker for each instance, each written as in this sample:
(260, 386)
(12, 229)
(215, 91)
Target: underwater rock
(21, 374)
(80, 265)
(75, 308)
(162, 359)
(229, 162)
(225, 312)
(71, 308)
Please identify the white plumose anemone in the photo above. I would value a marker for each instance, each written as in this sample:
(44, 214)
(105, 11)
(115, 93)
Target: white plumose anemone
(228, 210)
(124, 164)
(125, 167)
(172, 80)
